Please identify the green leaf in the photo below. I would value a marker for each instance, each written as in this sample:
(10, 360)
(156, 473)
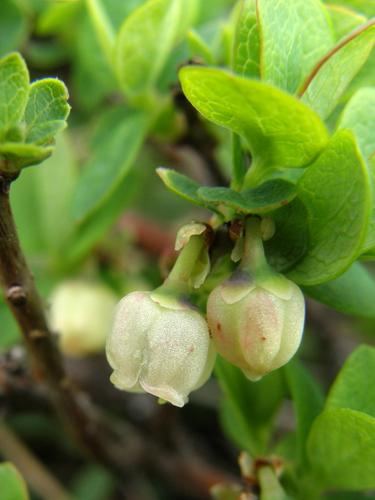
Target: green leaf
(351, 293)
(144, 43)
(13, 26)
(14, 89)
(369, 244)
(358, 116)
(307, 400)
(15, 156)
(246, 43)
(280, 130)
(365, 77)
(46, 111)
(294, 35)
(344, 20)
(354, 387)
(263, 199)
(341, 449)
(12, 485)
(57, 17)
(87, 232)
(42, 195)
(115, 147)
(366, 7)
(92, 76)
(337, 194)
(248, 407)
(291, 239)
(181, 185)
(330, 77)
(103, 26)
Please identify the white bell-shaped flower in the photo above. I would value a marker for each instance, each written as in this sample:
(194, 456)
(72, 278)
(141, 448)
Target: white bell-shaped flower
(160, 343)
(160, 346)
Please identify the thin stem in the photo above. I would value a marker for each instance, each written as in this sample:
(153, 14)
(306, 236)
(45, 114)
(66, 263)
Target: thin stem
(89, 430)
(253, 258)
(179, 276)
(270, 485)
(255, 175)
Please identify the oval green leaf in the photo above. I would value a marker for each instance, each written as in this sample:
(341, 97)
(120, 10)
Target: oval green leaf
(333, 73)
(265, 198)
(294, 36)
(280, 130)
(354, 386)
(351, 293)
(341, 449)
(337, 194)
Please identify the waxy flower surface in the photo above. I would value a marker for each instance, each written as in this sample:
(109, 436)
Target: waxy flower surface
(159, 345)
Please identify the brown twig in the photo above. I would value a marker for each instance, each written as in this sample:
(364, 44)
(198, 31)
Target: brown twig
(88, 428)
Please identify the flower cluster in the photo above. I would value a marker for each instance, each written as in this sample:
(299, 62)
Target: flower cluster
(161, 344)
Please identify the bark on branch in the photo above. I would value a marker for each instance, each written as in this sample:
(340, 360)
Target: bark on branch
(86, 425)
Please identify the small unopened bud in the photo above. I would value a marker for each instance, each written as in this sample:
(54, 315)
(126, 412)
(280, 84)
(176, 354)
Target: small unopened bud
(81, 313)
(256, 317)
(159, 345)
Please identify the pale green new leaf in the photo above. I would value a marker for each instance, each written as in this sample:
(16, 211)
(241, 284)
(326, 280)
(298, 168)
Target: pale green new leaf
(294, 35)
(354, 386)
(352, 293)
(344, 20)
(246, 43)
(337, 194)
(14, 89)
(341, 449)
(144, 43)
(46, 111)
(280, 130)
(12, 485)
(331, 76)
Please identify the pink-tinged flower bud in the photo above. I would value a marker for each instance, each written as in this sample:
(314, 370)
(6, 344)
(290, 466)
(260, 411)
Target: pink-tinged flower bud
(256, 317)
(159, 345)
(81, 313)
(256, 326)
